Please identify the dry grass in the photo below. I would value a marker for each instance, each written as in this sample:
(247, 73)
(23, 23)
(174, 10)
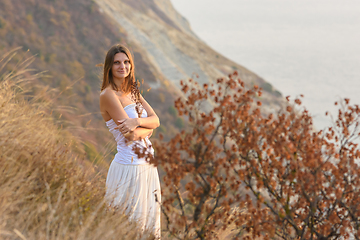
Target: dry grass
(45, 191)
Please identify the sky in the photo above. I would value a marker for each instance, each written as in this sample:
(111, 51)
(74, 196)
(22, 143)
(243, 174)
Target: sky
(301, 47)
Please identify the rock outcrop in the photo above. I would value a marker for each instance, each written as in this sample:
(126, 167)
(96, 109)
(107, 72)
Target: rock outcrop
(173, 49)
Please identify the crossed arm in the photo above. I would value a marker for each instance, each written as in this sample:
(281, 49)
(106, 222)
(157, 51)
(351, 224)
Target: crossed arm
(131, 128)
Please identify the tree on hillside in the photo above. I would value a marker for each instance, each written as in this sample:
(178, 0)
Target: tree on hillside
(239, 171)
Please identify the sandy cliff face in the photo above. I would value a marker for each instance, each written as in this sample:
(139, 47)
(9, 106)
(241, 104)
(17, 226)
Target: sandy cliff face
(173, 49)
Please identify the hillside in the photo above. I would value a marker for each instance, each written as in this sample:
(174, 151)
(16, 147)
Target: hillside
(69, 38)
(47, 191)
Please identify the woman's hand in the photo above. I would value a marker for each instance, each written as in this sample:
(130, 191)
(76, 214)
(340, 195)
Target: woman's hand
(127, 125)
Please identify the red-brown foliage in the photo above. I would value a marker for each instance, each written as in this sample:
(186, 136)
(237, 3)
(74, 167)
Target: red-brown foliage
(260, 175)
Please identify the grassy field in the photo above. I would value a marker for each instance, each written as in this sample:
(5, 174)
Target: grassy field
(47, 190)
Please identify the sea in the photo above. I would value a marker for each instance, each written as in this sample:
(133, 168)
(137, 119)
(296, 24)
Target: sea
(300, 47)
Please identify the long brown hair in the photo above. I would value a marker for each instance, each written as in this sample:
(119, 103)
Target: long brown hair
(129, 84)
(109, 62)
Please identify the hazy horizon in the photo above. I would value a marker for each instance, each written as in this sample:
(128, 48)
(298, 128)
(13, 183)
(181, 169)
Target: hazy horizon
(303, 47)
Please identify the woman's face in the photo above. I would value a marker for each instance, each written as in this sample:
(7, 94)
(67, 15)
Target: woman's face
(121, 66)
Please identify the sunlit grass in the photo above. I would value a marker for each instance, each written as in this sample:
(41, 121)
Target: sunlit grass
(46, 190)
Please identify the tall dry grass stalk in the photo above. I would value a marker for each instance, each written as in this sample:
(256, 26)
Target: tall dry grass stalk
(45, 193)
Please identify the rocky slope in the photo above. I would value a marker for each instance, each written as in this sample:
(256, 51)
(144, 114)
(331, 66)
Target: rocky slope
(168, 42)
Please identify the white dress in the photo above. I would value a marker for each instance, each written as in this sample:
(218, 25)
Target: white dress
(132, 184)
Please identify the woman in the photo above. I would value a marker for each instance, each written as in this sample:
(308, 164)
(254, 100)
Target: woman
(132, 183)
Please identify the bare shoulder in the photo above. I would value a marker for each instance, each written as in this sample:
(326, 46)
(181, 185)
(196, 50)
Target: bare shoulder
(107, 94)
(142, 99)
(150, 111)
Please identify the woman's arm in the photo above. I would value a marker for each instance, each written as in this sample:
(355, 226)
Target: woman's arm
(110, 104)
(139, 134)
(152, 120)
(130, 124)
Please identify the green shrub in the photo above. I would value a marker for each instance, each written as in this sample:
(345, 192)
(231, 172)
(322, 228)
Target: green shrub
(172, 110)
(179, 123)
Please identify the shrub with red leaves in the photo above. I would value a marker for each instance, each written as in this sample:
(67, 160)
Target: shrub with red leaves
(253, 174)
